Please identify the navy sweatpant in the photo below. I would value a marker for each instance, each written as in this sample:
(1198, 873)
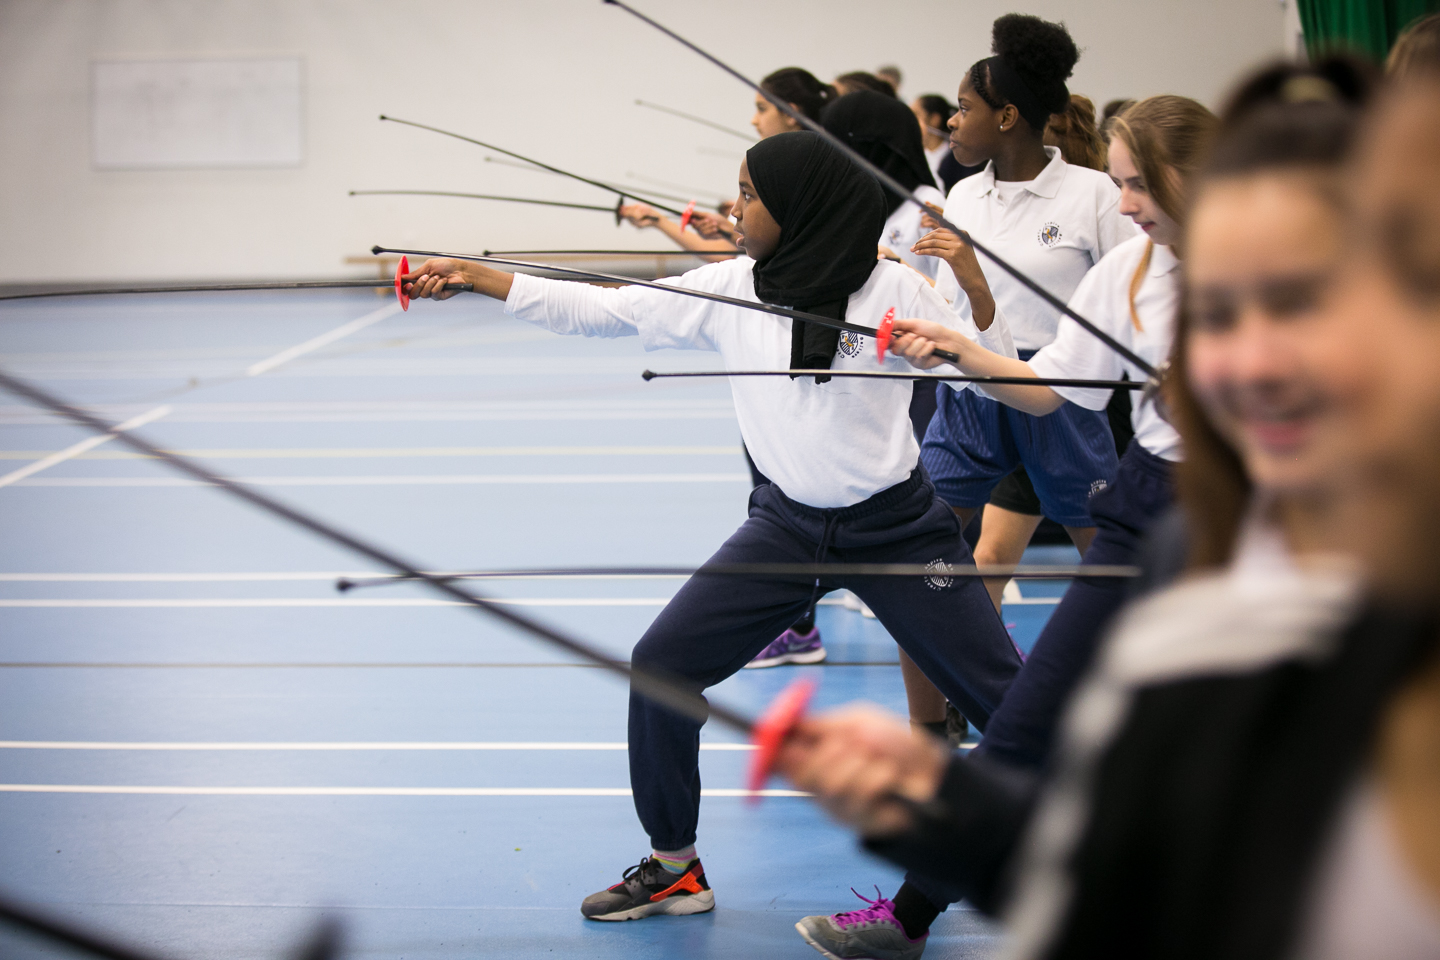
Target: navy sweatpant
(715, 625)
(1023, 729)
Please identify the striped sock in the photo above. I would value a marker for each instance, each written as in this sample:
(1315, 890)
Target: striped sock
(674, 860)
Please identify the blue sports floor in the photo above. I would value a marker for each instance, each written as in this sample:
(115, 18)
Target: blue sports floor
(204, 748)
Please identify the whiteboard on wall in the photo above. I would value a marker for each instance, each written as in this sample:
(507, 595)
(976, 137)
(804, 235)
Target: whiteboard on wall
(166, 114)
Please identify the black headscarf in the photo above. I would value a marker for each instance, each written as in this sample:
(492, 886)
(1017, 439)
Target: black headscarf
(885, 132)
(831, 214)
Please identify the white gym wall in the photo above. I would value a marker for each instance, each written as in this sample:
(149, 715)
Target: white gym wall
(556, 79)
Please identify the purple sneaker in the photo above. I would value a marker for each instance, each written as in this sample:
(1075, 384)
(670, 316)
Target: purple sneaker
(790, 647)
(872, 933)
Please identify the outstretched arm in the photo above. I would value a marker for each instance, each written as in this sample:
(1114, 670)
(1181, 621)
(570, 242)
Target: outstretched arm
(917, 341)
(432, 276)
(643, 216)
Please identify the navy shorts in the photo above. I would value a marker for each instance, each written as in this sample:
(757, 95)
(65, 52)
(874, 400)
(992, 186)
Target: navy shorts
(974, 442)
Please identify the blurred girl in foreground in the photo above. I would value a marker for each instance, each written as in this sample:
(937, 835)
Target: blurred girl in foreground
(1251, 769)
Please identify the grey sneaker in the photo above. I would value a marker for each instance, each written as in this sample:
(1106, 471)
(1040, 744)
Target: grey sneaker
(872, 933)
(647, 889)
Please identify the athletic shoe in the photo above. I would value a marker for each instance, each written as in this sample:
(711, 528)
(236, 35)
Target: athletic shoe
(957, 728)
(872, 933)
(647, 889)
(790, 647)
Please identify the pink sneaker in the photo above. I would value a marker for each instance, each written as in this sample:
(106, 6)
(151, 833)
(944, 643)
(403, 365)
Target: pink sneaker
(790, 647)
(873, 933)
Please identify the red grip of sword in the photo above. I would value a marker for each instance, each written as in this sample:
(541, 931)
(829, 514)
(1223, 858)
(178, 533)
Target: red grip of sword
(402, 268)
(882, 334)
(685, 217)
(770, 731)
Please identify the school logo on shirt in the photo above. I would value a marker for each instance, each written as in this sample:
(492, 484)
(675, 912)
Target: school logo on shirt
(938, 583)
(1099, 486)
(1049, 235)
(851, 343)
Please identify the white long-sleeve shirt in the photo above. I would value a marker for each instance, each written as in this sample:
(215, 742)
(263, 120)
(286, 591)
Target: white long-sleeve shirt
(1053, 228)
(1103, 298)
(826, 445)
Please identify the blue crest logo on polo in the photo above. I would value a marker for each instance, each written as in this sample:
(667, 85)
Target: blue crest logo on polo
(1098, 485)
(851, 343)
(892, 239)
(939, 583)
(1049, 235)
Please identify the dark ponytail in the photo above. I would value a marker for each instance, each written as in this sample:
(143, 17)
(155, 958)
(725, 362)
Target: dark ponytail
(801, 88)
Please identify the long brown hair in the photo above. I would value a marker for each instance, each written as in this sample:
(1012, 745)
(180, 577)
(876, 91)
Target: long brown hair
(1286, 117)
(1167, 133)
(1166, 137)
(1073, 131)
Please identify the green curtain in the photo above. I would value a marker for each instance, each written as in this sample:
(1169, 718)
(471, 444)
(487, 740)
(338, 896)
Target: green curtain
(1367, 27)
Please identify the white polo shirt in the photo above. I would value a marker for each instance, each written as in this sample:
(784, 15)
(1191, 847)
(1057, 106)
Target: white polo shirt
(1053, 229)
(826, 445)
(902, 229)
(1103, 298)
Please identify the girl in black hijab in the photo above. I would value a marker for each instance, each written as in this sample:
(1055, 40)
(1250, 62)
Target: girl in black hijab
(845, 481)
(887, 134)
(830, 214)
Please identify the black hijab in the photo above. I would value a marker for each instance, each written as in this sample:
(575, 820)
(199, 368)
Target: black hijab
(831, 214)
(884, 131)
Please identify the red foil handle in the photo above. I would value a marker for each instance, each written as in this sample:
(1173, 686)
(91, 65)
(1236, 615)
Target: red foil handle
(402, 268)
(882, 334)
(770, 731)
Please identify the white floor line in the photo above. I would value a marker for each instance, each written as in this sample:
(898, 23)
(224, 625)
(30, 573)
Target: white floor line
(401, 480)
(328, 453)
(338, 746)
(286, 577)
(276, 602)
(270, 363)
(315, 343)
(407, 411)
(300, 575)
(89, 443)
(365, 791)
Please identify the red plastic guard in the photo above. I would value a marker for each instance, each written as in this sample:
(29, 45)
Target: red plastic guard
(685, 217)
(773, 727)
(400, 270)
(882, 334)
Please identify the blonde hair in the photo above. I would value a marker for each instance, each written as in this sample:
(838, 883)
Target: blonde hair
(1073, 131)
(1167, 137)
(1416, 50)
